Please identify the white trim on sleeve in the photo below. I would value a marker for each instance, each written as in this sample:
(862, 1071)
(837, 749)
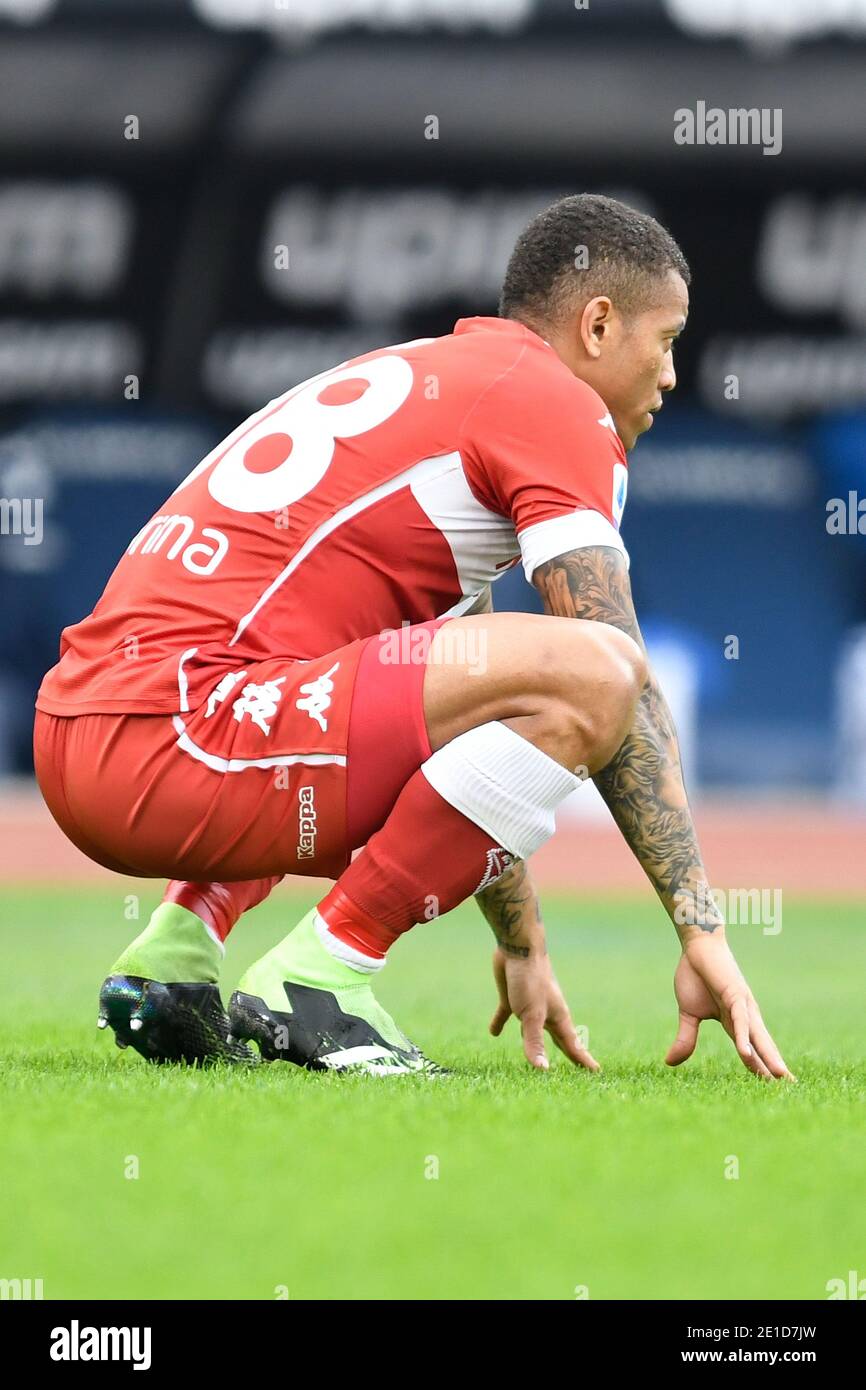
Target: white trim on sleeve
(574, 531)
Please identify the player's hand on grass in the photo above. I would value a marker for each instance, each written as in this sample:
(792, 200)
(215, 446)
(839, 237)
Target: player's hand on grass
(708, 983)
(528, 989)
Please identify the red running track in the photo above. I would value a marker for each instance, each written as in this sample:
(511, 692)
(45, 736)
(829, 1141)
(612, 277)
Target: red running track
(797, 846)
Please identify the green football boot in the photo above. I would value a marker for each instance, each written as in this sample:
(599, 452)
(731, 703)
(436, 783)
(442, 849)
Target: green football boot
(162, 996)
(302, 1005)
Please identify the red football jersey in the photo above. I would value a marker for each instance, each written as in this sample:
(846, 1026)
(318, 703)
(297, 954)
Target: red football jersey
(388, 490)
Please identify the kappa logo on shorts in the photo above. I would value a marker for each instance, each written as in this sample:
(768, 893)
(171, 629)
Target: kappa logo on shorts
(317, 695)
(259, 702)
(306, 824)
(225, 687)
(498, 861)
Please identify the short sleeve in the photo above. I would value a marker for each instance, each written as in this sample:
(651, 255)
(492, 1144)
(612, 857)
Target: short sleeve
(540, 447)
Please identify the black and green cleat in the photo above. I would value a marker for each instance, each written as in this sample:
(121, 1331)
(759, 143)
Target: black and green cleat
(301, 1005)
(313, 1031)
(183, 1023)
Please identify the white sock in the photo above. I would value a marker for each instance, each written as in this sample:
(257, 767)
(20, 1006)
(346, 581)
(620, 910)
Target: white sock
(349, 955)
(503, 783)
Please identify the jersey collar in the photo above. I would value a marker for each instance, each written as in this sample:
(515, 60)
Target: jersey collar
(490, 324)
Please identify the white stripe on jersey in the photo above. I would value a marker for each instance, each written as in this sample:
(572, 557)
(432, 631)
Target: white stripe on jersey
(182, 682)
(482, 542)
(574, 531)
(217, 764)
(419, 472)
(463, 605)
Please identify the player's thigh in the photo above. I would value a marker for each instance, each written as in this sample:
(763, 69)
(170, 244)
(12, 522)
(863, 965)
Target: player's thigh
(510, 665)
(388, 738)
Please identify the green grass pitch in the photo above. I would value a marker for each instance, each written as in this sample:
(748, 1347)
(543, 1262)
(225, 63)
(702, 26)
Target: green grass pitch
(493, 1183)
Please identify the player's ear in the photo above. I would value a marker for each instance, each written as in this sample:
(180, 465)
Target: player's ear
(595, 324)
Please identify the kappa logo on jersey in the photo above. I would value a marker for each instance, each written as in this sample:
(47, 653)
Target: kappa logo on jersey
(225, 687)
(620, 489)
(498, 861)
(606, 422)
(259, 702)
(317, 697)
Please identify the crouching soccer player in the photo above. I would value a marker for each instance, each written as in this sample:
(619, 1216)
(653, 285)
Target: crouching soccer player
(313, 672)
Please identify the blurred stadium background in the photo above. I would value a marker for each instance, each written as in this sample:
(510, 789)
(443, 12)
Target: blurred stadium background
(205, 201)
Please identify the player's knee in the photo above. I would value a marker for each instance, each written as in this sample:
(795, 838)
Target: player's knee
(628, 663)
(622, 674)
(589, 677)
(612, 672)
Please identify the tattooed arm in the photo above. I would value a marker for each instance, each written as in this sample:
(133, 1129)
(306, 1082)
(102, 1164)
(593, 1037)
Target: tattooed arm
(523, 973)
(643, 785)
(512, 909)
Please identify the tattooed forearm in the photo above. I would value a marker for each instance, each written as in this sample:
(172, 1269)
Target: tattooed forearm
(511, 907)
(591, 583)
(643, 784)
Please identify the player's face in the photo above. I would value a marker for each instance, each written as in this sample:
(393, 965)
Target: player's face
(629, 361)
(640, 367)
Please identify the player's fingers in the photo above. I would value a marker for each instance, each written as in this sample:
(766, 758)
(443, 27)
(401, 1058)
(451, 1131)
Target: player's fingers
(739, 1030)
(565, 1036)
(685, 1041)
(532, 1025)
(581, 1056)
(736, 1025)
(759, 1066)
(499, 1019)
(768, 1052)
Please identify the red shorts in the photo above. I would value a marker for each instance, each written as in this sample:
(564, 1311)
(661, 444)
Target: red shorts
(284, 768)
